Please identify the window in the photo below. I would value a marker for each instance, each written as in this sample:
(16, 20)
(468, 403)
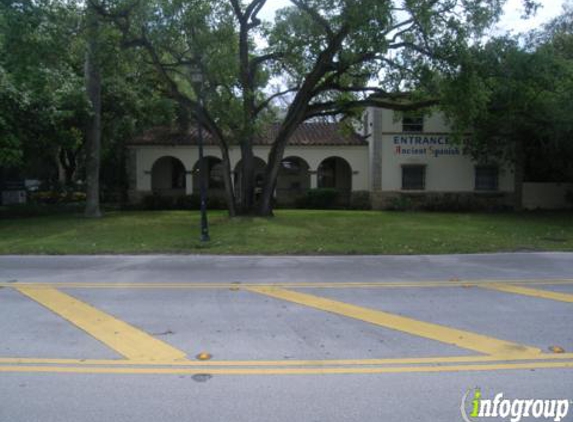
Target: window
(486, 178)
(413, 177)
(413, 122)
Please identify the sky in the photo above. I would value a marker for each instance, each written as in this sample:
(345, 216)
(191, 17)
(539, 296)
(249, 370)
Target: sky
(510, 21)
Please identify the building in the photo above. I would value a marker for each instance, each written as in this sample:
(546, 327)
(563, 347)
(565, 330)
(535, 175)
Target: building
(415, 159)
(396, 159)
(165, 161)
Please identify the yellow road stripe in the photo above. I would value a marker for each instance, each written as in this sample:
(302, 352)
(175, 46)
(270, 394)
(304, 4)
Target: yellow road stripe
(326, 362)
(302, 285)
(288, 371)
(120, 336)
(544, 294)
(465, 339)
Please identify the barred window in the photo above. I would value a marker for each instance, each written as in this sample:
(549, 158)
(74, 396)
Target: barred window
(413, 122)
(413, 177)
(487, 178)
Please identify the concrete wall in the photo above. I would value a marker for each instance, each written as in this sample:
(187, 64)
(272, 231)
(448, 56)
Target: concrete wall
(146, 156)
(547, 196)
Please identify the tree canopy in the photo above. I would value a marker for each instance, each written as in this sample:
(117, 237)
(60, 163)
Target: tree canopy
(43, 103)
(326, 57)
(514, 96)
(317, 59)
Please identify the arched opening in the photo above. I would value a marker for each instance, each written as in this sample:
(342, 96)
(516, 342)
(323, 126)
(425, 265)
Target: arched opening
(259, 165)
(293, 180)
(336, 173)
(168, 177)
(215, 180)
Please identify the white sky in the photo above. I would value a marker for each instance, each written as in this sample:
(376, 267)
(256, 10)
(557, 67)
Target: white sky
(510, 21)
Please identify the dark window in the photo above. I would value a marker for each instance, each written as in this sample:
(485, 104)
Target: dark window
(413, 122)
(487, 178)
(413, 177)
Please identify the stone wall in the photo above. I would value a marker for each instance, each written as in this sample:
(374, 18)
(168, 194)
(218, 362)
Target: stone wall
(442, 201)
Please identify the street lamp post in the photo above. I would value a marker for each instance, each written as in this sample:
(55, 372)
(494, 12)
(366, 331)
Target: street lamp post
(197, 79)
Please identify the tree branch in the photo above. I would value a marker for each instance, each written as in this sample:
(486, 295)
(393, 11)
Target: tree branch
(276, 95)
(238, 11)
(315, 17)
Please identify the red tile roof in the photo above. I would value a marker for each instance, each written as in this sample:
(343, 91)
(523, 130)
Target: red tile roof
(307, 134)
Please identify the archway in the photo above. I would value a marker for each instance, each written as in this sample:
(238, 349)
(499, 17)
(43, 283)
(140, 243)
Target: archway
(336, 173)
(168, 176)
(293, 180)
(215, 180)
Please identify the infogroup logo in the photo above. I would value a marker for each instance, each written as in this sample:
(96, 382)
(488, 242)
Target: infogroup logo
(475, 408)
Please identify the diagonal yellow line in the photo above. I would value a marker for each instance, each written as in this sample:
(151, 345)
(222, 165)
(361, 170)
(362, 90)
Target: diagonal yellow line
(526, 291)
(125, 339)
(460, 338)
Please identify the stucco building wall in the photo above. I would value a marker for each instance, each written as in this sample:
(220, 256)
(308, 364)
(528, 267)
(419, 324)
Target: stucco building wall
(146, 156)
(449, 172)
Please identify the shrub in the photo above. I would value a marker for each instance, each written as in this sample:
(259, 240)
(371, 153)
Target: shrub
(321, 199)
(188, 202)
(57, 197)
(156, 201)
(401, 203)
(360, 200)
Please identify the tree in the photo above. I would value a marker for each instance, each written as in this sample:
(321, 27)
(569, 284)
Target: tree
(12, 105)
(333, 58)
(516, 103)
(93, 131)
(44, 108)
(43, 103)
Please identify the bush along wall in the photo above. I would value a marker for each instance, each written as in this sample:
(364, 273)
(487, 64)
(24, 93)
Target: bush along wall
(156, 202)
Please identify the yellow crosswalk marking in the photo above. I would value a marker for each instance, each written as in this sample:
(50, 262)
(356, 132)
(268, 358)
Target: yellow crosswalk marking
(460, 338)
(125, 339)
(526, 291)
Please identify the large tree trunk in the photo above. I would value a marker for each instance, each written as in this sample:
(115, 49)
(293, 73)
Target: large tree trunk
(270, 180)
(229, 191)
(247, 178)
(519, 175)
(297, 113)
(248, 90)
(93, 132)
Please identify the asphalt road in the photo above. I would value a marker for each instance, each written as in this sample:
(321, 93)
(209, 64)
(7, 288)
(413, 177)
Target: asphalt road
(119, 338)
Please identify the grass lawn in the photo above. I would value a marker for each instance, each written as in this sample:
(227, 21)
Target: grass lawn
(290, 232)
